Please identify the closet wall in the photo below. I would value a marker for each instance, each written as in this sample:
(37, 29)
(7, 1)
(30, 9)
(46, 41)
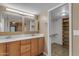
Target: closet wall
(56, 32)
(55, 26)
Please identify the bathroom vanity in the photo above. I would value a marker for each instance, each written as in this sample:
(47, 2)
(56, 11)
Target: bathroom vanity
(14, 37)
(22, 45)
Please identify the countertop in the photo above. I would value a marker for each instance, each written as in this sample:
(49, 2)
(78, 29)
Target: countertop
(4, 39)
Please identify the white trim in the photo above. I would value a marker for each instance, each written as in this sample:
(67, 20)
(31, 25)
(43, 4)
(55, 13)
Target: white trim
(56, 7)
(70, 29)
(76, 32)
(48, 40)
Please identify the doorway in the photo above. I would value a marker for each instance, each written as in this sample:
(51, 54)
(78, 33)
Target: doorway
(59, 30)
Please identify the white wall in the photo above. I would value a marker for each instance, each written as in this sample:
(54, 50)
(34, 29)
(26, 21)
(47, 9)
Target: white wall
(52, 30)
(43, 18)
(56, 28)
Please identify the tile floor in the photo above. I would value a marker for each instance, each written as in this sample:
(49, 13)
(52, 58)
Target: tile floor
(59, 50)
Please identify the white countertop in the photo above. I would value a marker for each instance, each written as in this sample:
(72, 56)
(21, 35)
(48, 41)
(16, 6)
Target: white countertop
(11, 38)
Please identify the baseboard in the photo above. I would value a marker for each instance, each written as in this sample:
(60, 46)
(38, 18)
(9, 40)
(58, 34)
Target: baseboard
(45, 53)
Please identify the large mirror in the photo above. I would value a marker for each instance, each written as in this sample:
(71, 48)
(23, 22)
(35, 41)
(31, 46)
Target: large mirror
(13, 22)
(9, 22)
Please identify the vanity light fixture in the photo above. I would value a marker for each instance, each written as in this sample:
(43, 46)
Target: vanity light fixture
(13, 22)
(23, 13)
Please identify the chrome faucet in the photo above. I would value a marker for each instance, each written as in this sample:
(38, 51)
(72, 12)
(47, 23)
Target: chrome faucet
(7, 37)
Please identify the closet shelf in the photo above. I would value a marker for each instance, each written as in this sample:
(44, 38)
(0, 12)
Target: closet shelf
(53, 34)
(65, 25)
(65, 32)
(66, 21)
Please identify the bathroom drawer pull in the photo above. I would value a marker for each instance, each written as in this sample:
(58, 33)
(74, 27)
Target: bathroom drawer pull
(25, 50)
(25, 46)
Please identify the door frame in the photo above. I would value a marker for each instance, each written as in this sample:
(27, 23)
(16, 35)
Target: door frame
(70, 28)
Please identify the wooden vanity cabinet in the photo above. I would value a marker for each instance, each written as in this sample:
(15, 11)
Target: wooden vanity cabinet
(25, 47)
(34, 47)
(13, 48)
(3, 49)
(28, 47)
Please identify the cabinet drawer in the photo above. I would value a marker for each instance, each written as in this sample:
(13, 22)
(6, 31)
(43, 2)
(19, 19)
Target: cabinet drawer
(25, 53)
(24, 42)
(25, 48)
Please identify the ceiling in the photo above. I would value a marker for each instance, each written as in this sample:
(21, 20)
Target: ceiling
(34, 8)
(62, 11)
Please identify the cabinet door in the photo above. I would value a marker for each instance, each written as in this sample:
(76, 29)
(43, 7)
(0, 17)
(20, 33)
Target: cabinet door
(41, 45)
(13, 48)
(3, 49)
(25, 48)
(34, 47)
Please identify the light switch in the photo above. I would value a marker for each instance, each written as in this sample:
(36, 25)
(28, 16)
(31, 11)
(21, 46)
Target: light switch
(76, 32)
